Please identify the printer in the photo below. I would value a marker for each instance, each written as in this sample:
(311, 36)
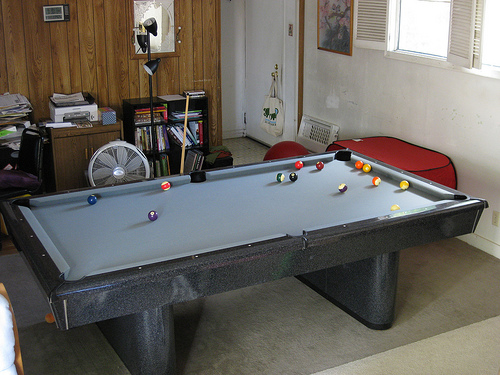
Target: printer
(73, 107)
(87, 112)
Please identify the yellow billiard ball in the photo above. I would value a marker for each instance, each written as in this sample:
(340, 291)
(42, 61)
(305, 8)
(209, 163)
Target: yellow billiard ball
(395, 207)
(367, 168)
(404, 185)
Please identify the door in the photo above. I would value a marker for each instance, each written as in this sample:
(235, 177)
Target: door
(255, 37)
(270, 40)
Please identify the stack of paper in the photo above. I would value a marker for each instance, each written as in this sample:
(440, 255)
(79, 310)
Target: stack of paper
(13, 108)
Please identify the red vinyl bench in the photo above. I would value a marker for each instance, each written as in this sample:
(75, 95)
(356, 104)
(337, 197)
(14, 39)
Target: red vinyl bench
(421, 161)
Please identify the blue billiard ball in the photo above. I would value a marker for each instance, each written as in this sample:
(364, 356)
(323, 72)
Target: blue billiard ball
(152, 215)
(92, 199)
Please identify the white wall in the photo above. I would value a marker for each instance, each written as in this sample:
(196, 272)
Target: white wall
(233, 67)
(456, 113)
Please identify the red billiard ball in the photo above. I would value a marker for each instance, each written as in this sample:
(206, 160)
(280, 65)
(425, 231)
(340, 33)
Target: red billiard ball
(165, 185)
(376, 181)
(320, 165)
(359, 164)
(152, 215)
(299, 164)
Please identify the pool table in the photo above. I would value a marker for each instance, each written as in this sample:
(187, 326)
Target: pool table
(225, 229)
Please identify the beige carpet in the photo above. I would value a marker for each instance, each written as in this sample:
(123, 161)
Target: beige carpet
(447, 291)
(474, 349)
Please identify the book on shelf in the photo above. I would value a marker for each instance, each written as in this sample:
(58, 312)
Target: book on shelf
(144, 137)
(145, 118)
(194, 93)
(194, 160)
(180, 115)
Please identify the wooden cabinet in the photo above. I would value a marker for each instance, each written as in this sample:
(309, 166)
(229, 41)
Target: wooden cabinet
(72, 149)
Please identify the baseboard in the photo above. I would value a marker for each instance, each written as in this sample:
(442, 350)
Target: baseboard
(482, 243)
(233, 133)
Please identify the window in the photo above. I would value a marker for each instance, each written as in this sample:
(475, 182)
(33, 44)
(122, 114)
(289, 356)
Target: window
(463, 32)
(491, 34)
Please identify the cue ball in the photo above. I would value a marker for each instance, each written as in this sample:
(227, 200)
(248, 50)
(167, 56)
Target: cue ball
(299, 164)
(376, 181)
(293, 177)
(342, 188)
(359, 164)
(320, 165)
(152, 215)
(165, 185)
(395, 207)
(280, 177)
(367, 168)
(404, 185)
(92, 199)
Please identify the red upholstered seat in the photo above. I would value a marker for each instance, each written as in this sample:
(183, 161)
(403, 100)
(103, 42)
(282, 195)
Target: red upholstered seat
(421, 161)
(285, 149)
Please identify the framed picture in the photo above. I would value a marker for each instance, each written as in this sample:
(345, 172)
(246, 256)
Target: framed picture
(335, 26)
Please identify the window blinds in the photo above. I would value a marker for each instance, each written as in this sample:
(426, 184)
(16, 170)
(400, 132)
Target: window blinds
(371, 21)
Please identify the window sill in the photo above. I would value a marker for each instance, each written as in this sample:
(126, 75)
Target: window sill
(441, 63)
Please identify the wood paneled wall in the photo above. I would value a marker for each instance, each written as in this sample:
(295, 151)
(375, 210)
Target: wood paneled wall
(92, 53)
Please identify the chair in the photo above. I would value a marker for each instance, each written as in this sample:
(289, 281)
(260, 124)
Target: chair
(18, 362)
(27, 177)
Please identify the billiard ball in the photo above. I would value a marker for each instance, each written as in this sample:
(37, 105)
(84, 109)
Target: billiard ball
(152, 215)
(342, 188)
(367, 168)
(280, 177)
(299, 164)
(320, 165)
(293, 177)
(404, 185)
(92, 199)
(376, 181)
(165, 185)
(49, 318)
(359, 164)
(395, 207)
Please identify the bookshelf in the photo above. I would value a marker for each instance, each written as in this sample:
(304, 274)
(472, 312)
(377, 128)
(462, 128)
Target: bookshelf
(162, 143)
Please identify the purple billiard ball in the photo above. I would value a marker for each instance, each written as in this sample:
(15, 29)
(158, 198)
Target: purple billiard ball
(152, 215)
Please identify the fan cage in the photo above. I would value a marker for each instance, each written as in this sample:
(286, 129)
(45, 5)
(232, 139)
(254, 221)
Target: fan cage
(117, 162)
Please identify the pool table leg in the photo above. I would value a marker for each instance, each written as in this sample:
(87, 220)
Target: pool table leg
(365, 289)
(144, 341)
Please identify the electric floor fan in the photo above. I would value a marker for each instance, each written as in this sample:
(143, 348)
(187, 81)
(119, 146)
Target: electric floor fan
(117, 162)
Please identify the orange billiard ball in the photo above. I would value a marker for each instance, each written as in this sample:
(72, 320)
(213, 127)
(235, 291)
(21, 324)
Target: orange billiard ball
(376, 181)
(49, 318)
(367, 168)
(359, 164)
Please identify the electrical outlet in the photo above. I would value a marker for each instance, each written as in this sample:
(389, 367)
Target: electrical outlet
(496, 218)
